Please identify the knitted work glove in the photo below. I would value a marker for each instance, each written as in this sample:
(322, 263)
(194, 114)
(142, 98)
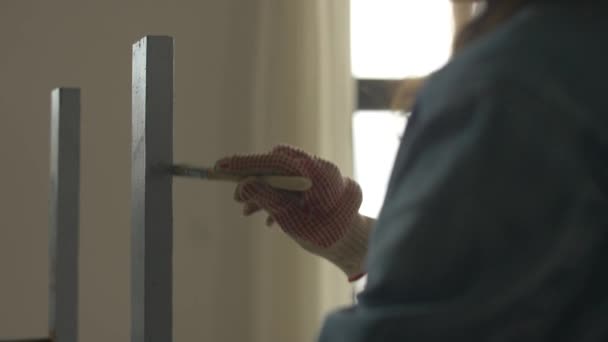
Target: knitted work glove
(323, 220)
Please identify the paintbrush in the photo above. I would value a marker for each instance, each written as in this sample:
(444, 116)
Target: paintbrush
(290, 183)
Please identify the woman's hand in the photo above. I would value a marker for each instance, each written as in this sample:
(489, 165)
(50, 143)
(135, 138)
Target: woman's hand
(324, 219)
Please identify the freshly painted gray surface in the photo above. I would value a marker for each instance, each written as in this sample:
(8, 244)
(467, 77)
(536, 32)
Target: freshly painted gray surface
(152, 155)
(64, 214)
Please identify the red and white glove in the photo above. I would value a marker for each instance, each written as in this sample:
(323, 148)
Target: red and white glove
(324, 220)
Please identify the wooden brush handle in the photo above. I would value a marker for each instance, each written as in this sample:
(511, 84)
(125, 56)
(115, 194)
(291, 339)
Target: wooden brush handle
(290, 183)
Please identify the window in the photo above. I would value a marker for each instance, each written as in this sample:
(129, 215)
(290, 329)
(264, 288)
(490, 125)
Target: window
(390, 40)
(376, 139)
(395, 39)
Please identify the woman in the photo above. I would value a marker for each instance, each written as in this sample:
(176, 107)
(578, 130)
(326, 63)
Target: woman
(494, 226)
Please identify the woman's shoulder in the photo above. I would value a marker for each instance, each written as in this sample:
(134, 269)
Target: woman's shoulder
(536, 50)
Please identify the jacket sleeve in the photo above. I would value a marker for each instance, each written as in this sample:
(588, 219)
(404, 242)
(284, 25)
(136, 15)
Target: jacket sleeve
(485, 231)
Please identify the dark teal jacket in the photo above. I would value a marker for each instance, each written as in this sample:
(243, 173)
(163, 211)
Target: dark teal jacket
(495, 224)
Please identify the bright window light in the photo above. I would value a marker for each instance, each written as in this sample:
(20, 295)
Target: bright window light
(391, 39)
(399, 38)
(377, 135)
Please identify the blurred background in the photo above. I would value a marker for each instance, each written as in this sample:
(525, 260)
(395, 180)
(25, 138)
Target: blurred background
(249, 74)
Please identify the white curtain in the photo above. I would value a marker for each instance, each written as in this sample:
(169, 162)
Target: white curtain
(303, 96)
